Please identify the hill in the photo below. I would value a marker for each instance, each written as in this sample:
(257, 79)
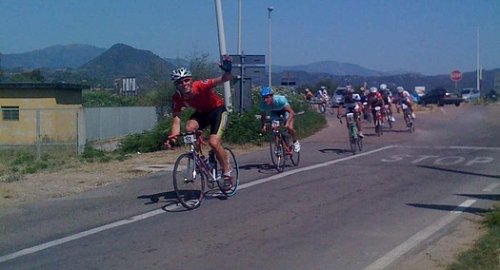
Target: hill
(125, 61)
(331, 67)
(95, 66)
(54, 57)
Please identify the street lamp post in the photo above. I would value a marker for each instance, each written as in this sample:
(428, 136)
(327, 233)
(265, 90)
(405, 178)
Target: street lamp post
(269, 9)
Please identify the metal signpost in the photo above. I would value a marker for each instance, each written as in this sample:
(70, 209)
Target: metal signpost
(247, 67)
(456, 76)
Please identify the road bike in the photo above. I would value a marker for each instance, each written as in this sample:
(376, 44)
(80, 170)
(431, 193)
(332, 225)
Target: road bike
(408, 118)
(280, 147)
(320, 102)
(388, 115)
(193, 172)
(355, 141)
(378, 120)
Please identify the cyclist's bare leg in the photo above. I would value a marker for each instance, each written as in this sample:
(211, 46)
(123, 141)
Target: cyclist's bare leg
(192, 126)
(215, 143)
(291, 130)
(358, 123)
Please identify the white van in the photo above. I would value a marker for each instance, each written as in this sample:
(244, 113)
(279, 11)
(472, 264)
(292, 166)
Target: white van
(469, 94)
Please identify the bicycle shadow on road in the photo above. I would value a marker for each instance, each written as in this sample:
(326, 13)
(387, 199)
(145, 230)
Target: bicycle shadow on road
(450, 208)
(337, 151)
(264, 168)
(491, 197)
(169, 197)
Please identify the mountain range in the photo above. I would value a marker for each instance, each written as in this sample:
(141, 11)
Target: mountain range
(98, 66)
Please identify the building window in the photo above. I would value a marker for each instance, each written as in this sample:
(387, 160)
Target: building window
(10, 113)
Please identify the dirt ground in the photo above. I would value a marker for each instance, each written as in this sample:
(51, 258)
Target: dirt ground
(44, 186)
(86, 176)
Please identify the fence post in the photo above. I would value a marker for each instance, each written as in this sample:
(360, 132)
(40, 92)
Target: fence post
(38, 143)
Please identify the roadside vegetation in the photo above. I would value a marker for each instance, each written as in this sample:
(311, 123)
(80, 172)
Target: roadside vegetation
(485, 255)
(242, 129)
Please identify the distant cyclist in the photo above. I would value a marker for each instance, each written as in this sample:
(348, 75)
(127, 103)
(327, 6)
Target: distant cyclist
(375, 99)
(322, 94)
(405, 98)
(352, 104)
(387, 96)
(277, 106)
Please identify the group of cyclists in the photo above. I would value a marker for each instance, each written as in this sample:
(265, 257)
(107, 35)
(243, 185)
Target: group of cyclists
(210, 110)
(363, 103)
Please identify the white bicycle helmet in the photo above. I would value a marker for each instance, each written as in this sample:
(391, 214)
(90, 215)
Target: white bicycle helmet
(383, 87)
(180, 73)
(400, 89)
(373, 89)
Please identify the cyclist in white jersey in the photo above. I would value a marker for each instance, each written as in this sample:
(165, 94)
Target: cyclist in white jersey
(277, 106)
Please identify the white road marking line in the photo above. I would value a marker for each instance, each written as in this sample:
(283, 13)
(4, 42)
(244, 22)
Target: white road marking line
(417, 238)
(66, 239)
(153, 213)
(491, 187)
(450, 147)
(442, 110)
(312, 167)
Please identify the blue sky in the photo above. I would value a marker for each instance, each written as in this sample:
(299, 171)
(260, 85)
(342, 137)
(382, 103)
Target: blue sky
(426, 36)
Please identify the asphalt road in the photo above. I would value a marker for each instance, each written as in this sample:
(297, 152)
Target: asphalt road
(334, 211)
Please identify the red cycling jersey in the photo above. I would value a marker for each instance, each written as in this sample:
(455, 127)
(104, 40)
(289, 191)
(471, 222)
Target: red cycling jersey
(204, 100)
(374, 99)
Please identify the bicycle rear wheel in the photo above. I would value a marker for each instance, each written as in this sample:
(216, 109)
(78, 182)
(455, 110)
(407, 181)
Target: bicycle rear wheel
(277, 153)
(235, 174)
(189, 182)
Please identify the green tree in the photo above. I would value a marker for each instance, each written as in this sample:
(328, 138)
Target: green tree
(106, 99)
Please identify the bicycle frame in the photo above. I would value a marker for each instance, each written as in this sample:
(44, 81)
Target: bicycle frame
(195, 142)
(275, 125)
(353, 130)
(280, 148)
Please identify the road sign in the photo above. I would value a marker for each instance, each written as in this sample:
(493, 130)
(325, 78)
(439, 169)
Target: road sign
(456, 75)
(250, 59)
(249, 71)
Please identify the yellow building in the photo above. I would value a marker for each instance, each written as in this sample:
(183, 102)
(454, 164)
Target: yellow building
(39, 112)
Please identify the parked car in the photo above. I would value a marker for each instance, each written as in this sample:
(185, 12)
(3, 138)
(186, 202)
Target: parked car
(470, 94)
(338, 96)
(492, 95)
(440, 97)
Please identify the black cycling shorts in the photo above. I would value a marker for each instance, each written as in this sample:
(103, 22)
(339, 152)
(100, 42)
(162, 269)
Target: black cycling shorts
(216, 119)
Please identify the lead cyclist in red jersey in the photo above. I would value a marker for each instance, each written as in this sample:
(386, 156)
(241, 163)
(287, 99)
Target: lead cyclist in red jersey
(209, 110)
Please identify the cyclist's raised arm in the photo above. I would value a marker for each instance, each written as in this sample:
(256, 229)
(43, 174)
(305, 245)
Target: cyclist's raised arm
(226, 65)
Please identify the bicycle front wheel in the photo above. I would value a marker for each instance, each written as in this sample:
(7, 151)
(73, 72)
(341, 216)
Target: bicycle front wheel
(378, 127)
(277, 153)
(360, 144)
(389, 118)
(189, 182)
(295, 157)
(353, 144)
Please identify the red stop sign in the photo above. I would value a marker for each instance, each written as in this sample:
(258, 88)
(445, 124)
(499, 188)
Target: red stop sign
(456, 75)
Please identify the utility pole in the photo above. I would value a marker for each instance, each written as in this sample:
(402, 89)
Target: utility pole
(270, 9)
(222, 50)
